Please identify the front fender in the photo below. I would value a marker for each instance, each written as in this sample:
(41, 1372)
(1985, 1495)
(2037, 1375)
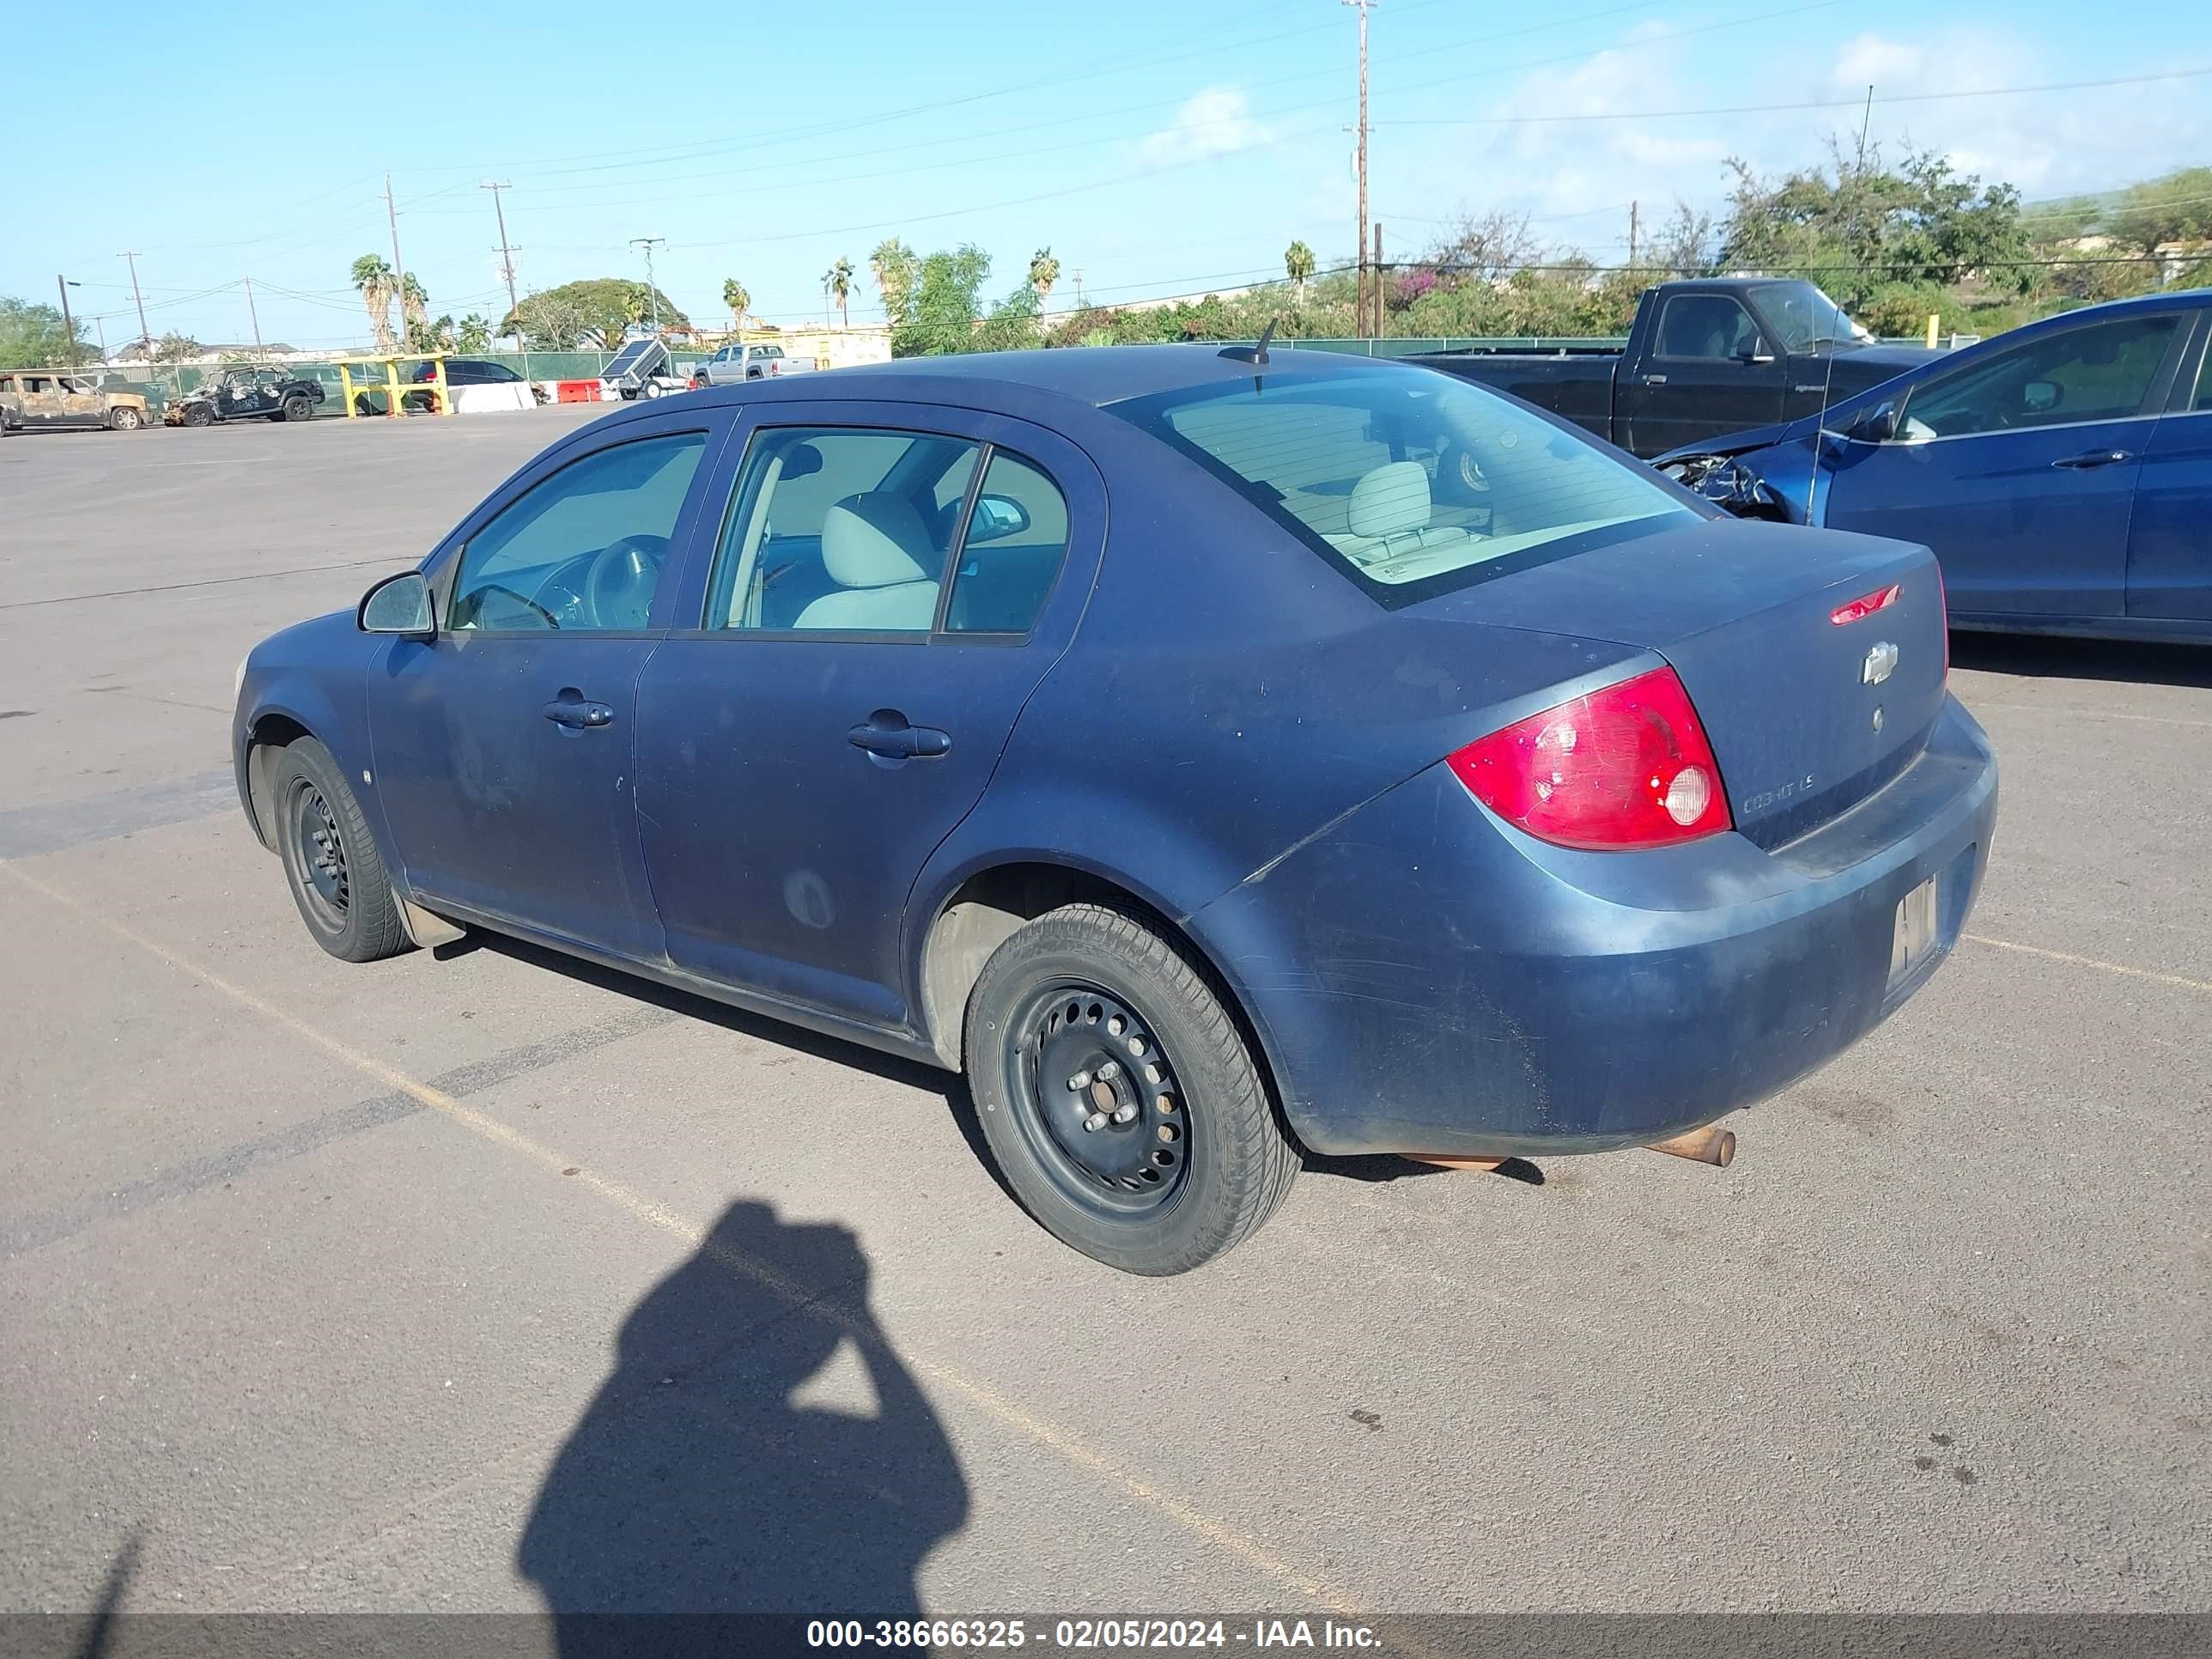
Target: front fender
(310, 678)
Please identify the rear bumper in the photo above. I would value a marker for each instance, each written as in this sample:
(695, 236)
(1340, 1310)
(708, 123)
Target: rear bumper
(1426, 979)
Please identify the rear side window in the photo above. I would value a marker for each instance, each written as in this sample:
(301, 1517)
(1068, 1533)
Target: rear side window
(2098, 371)
(840, 529)
(1017, 539)
(1411, 482)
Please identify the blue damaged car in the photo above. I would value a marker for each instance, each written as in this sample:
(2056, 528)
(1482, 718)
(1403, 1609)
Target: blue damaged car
(1218, 755)
(2061, 473)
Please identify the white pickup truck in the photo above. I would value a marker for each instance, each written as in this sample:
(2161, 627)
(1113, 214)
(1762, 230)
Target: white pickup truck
(736, 363)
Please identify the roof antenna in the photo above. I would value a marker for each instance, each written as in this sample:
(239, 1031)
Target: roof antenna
(1254, 355)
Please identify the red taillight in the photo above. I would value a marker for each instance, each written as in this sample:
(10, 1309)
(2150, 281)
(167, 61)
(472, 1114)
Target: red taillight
(1866, 604)
(1624, 767)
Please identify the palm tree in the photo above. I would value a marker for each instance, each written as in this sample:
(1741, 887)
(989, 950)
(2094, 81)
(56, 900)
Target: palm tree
(838, 282)
(1298, 264)
(1044, 271)
(735, 296)
(893, 262)
(414, 314)
(374, 279)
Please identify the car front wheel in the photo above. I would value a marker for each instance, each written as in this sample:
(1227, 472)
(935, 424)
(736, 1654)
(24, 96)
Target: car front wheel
(299, 407)
(1119, 1096)
(336, 876)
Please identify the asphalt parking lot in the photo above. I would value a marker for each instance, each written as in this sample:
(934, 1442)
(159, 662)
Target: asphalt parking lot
(466, 1283)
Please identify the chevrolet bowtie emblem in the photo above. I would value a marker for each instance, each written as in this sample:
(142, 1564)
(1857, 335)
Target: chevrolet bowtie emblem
(1880, 664)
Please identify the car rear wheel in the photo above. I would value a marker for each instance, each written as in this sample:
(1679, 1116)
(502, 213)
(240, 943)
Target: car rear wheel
(124, 420)
(336, 877)
(1119, 1096)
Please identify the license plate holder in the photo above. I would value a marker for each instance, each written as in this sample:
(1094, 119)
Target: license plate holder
(1912, 937)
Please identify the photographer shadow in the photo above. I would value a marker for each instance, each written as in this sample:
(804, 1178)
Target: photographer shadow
(695, 1484)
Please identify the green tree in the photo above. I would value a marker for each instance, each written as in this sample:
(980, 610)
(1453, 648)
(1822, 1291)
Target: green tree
(173, 348)
(837, 283)
(1044, 271)
(895, 269)
(2176, 207)
(938, 313)
(554, 318)
(32, 337)
(1298, 265)
(738, 298)
(377, 284)
(474, 333)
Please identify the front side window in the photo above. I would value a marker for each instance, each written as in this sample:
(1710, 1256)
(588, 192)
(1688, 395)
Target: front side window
(582, 550)
(1412, 481)
(1707, 325)
(2098, 371)
(843, 529)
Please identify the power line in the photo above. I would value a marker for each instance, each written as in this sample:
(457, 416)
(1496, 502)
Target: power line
(1764, 109)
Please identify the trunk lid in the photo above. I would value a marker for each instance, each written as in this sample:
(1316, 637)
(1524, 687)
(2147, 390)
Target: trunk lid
(1807, 717)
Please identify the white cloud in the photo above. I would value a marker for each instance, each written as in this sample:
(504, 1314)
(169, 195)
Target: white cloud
(1215, 122)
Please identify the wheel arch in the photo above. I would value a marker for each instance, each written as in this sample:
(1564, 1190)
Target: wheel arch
(988, 904)
(267, 737)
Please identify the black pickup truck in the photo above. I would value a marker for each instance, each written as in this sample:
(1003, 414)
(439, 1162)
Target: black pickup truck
(1703, 357)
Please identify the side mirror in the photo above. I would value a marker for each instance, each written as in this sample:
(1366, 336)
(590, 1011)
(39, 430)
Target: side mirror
(1877, 425)
(1756, 352)
(2041, 397)
(399, 605)
(996, 517)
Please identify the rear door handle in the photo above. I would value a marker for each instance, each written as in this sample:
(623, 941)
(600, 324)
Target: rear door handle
(1654, 380)
(890, 734)
(572, 712)
(2090, 457)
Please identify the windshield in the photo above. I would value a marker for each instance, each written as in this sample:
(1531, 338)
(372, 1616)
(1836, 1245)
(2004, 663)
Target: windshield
(1411, 482)
(1804, 317)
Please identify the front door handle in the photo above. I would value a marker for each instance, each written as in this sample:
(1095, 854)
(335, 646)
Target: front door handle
(2090, 457)
(1654, 380)
(890, 734)
(578, 715)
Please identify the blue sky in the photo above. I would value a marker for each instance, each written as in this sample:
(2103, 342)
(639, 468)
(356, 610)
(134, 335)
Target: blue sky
(1156, 148)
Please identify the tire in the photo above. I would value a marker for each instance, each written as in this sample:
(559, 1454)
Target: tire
(125, 420)
(1199, 1164)
(348, 907)
(299, 407)
(198, 414)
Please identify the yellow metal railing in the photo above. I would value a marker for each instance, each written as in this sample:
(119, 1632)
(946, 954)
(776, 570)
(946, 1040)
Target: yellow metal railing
(389, 383)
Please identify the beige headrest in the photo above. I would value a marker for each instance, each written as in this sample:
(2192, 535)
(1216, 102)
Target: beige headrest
(1391, 500)
(877, 540)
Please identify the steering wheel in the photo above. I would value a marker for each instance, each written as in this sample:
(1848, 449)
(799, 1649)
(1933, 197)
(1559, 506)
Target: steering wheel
(620, 581)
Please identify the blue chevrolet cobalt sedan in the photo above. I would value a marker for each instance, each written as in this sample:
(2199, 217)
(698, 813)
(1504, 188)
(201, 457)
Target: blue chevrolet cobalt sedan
(1216, 755)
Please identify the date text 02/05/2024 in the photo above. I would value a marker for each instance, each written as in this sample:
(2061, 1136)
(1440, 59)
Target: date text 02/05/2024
(1086, 1635)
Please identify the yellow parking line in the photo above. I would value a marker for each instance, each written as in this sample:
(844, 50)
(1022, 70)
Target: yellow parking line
(978, 1393)
(2186, 984)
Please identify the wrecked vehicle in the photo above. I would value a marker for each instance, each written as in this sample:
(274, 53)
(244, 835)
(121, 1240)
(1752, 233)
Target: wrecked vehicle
(2061, 473)
(249, 393)
(45, 398)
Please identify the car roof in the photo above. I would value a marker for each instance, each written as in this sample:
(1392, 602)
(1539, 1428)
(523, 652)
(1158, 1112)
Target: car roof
(1097, 375)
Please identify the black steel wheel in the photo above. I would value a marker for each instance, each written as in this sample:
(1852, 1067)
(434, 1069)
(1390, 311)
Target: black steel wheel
(1119, 1094)
(1102, 1107)
(336, 877)
(299, 407)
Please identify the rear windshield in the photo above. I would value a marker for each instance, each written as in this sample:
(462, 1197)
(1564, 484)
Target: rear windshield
(1410, 481)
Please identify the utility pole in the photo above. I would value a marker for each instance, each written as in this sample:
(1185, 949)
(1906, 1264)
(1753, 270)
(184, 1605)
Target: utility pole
(255, 315)
(1376, 331)
(652, 294)
(1632, 236)
(1360, 242)
(399, 271)
(68, 328)
(506, 258)
(144, 333)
